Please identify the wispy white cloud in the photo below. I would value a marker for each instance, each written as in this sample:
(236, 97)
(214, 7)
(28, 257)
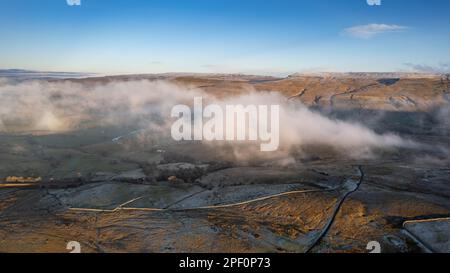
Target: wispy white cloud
(371, 30)
(442, 68)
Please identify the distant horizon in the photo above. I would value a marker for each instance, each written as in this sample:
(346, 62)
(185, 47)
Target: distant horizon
(91, 74)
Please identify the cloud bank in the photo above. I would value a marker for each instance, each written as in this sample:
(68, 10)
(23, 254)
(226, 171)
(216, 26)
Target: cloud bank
(442, 68)
(64, 106)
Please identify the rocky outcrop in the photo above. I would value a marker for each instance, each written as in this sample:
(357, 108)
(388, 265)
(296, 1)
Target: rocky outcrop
(184, 171)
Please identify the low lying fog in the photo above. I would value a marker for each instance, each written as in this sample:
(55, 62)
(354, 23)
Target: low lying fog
(65, 106)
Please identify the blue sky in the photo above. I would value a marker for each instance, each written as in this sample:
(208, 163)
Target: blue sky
(229, 36)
